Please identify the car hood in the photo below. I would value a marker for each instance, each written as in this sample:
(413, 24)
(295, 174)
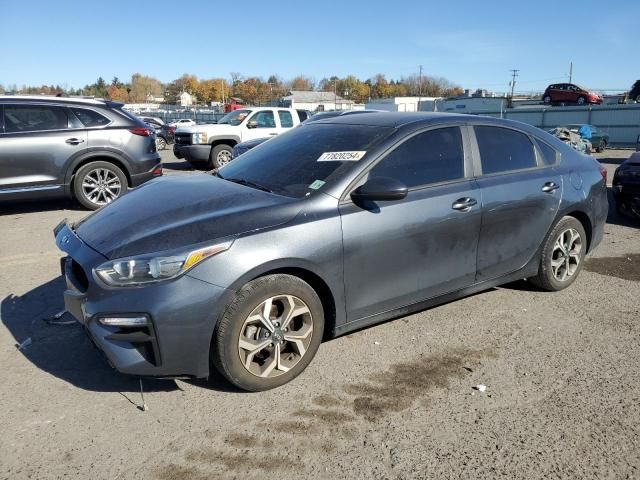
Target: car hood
(169, 213)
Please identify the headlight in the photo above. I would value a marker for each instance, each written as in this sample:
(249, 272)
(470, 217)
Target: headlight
(199, 138)
(152, 268)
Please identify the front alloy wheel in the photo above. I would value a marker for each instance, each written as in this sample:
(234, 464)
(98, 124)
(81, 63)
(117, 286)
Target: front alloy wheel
(275, 336)
(269, 333)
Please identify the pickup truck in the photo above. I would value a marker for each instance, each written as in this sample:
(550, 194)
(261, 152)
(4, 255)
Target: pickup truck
(212, 145)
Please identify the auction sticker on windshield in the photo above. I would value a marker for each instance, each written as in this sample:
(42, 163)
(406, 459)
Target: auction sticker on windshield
(341, 156)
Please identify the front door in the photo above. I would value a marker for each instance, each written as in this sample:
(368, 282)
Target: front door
(398, 253)
(520, 198)
(261, 124)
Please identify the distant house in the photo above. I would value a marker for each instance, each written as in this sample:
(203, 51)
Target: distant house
(151, 98)
(185, 99)
(315, 101)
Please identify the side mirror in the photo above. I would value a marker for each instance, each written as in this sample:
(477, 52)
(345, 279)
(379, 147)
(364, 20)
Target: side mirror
(380, 188)
(252, 124)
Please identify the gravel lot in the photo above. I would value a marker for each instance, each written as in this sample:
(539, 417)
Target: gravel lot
(395, 401)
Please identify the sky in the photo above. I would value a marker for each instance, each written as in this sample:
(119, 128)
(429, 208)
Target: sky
(473, 44)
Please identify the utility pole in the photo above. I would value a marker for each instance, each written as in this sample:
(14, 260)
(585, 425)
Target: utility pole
(222, 87)
(335, 95)
(570, 72)
(420, 83)
(514, 75)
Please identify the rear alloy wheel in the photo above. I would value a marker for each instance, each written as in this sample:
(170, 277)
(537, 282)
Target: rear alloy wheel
(99, 183)
(562, 255)
(269, 333)
(220, 155)
(161, 143)
(547, 100)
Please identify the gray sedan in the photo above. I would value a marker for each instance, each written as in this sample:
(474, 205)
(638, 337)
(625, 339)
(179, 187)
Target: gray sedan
(328, 228)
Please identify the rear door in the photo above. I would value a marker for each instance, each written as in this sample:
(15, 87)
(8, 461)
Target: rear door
(286, 120)
(397, 253)
(521, 193)
(37, 143)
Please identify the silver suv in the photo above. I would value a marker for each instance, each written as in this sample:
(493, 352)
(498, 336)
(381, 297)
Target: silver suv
(86, 149)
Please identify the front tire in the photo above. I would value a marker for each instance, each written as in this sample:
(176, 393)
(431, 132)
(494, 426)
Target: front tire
(220, 155)
(562, 255)
(581, 101)
(269, 333)
(99, 183)
(602, 146)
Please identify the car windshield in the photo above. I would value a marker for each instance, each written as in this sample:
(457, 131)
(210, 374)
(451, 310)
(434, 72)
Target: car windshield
(305, 159)
(235, 118)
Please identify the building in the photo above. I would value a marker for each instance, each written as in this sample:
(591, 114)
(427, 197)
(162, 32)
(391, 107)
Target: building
(315, 101)
(404, 104)
(186, 99)
(151, 98)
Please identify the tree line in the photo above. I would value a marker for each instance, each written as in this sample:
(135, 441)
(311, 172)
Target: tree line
(252, 90)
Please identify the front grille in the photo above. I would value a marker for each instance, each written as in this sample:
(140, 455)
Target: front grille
(79, 278)
(183, 138)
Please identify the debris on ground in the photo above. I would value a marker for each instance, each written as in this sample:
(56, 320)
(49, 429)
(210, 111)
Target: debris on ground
(376, 343)
(480, 387)
(25, 344)
(57, 319)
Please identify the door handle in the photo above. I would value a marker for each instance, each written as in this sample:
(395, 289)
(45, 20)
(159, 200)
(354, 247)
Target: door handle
(549, 187)
(464, 204)
(73, 141)
(273, 134)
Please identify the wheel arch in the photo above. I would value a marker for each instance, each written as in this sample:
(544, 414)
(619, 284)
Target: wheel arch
(584, 219)
(95, 157)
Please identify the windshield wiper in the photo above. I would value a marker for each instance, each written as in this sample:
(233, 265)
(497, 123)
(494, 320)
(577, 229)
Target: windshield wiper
(248, 183)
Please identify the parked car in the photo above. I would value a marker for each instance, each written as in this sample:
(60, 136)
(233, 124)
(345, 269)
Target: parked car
(598, 138)
(638, 144)
(211, 146)
(90, 150)
(563, 93)
(183, 122)
(164, 133)
(243, 147)
(326, 229)
(626, 184)
(634, 93)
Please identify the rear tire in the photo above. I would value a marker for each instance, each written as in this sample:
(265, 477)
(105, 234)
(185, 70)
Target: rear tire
(602, 146)
(257, 355)
(161, 143)
(562, 256)
(99, 183)
(220, 155)
(547, 100)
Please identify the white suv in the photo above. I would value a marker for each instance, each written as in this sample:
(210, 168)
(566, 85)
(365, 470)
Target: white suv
(212, 145)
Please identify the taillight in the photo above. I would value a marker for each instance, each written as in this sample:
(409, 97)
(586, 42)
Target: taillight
(143, 132)
(172, 129)
(603, 172)
(157, 170)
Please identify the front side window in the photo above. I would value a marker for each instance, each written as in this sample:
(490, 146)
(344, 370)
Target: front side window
(503, 150)
(286, 120)
(235, 118)
(90, 118)
(34, 118)
(430, 157)
(264, 119)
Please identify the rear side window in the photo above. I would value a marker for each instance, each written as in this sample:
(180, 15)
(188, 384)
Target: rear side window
(430, 157)
(286, 120)
(549, 155)
(34, 118)
(90, 118)
(503, 150)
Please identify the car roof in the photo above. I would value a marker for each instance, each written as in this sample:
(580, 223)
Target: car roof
(399, 119)
(54, 99)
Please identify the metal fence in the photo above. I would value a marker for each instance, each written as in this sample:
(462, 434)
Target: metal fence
(621, 122)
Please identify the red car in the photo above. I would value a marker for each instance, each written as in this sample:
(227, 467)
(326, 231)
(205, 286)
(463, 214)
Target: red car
(562, 93)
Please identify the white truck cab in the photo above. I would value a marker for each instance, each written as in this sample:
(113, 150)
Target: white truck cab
(212, 144)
